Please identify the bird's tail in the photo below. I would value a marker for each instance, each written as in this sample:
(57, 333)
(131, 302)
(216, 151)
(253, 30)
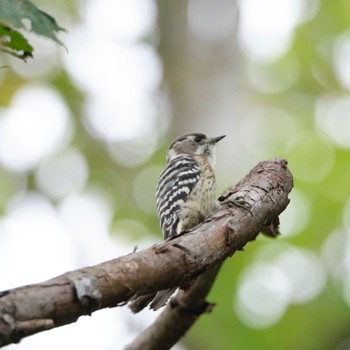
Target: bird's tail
(156, 300)
(161, 298)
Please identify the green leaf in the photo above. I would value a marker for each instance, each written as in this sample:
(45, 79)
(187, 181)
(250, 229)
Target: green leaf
(13, 43)
(12, 13)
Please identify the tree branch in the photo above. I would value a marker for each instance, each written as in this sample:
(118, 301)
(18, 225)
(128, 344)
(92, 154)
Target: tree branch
(61, 300)
(178, 316)
(266, 189)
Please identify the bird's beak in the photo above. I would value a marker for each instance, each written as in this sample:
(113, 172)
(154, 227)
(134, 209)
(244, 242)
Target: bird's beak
(216, 139)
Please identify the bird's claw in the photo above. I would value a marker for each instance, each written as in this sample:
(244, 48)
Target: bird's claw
(238, 202)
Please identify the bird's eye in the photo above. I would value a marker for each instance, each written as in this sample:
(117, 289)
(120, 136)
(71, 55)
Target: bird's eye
(198, 139)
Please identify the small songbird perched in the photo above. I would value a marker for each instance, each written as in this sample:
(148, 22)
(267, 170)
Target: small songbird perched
(186, 189)
(185, 195)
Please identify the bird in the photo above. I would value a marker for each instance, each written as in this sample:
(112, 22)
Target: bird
(186, 189)
(185, 196)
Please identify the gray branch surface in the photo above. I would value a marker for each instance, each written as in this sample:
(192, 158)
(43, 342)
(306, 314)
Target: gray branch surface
(62, 300)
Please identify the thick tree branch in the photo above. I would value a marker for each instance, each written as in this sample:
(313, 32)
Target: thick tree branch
(178, 316)
(61, 300)
(266, 189)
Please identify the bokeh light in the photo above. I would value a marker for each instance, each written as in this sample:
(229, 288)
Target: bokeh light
(262, 296)
(333, 250)
(32, 232)
(129, 22)
(296, 218)
(311, 157)
(260, 39)
(135, 152)
(266, 129)
(276, 77)
(283, 275)
(87, 217)
(342, 59)
(109, 64)
(29, 134)
(305, 274)
(332, 117)
(336, 252)
(62, 174)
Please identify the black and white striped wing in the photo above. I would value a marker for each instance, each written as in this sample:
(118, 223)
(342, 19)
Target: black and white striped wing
(174, 186)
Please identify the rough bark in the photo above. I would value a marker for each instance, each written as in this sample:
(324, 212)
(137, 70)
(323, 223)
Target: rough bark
(61, 300)
(178, 316)
(266, 189)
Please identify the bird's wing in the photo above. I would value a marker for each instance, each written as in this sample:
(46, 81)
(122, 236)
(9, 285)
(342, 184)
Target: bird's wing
(174, 186)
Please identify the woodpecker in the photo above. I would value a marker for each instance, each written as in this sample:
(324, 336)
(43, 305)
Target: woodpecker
(185, 196)
(186, 189)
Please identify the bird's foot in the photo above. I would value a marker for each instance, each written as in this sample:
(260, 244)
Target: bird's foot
(238, 202)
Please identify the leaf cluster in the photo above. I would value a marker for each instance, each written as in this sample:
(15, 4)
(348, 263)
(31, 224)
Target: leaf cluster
(14, 16)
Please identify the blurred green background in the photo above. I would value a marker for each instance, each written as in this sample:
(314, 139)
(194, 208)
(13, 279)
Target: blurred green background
(83, 136)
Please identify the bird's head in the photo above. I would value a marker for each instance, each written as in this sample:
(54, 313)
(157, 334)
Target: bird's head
(193, 144)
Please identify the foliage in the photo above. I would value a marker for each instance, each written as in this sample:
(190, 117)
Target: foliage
(12, 15)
